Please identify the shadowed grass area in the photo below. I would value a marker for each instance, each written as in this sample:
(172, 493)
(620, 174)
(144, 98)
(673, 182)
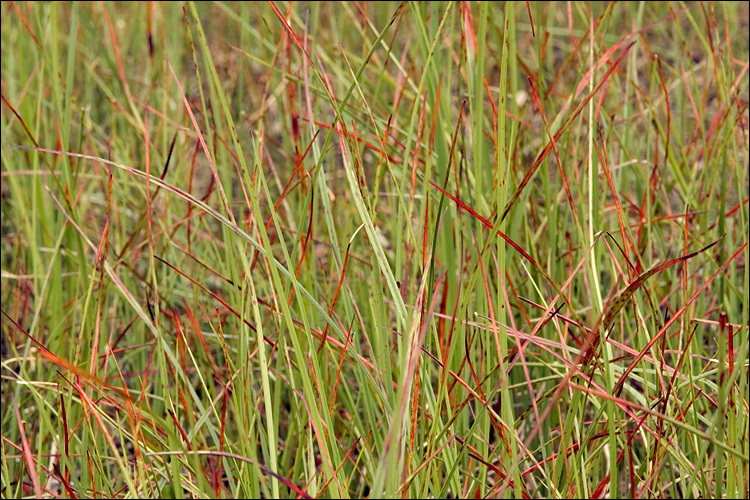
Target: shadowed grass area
(375, 249)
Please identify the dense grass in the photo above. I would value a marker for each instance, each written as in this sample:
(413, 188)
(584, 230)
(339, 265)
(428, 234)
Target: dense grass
(376, 249)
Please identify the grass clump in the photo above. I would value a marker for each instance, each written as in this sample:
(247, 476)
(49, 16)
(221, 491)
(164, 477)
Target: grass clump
(352, 249)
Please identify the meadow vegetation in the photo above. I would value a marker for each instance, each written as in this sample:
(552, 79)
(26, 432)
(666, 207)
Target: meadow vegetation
(445, 249)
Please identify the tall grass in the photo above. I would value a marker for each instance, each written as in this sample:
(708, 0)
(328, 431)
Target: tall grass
(375, 249)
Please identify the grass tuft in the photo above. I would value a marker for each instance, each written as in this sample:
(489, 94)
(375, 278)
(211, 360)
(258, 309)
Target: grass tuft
(443, 249)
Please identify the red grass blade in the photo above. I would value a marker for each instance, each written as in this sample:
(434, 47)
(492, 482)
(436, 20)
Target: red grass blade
(677, 314)
(559, 133)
